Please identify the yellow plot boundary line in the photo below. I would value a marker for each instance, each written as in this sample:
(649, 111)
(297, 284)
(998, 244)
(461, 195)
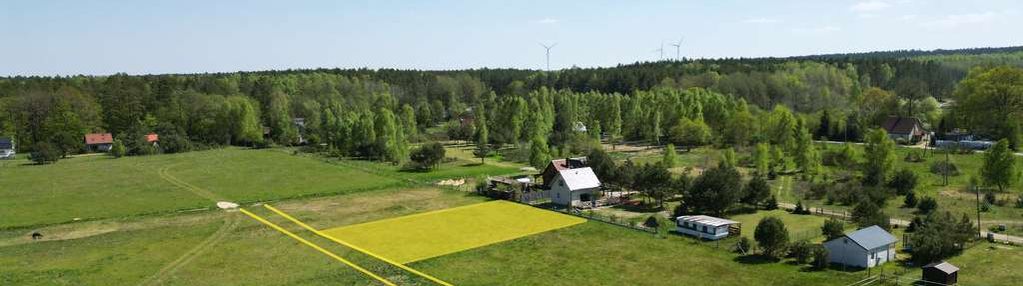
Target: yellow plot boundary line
(317, 247)
(391, 262)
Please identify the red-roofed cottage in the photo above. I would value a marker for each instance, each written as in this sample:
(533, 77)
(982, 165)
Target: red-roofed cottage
(99, 142)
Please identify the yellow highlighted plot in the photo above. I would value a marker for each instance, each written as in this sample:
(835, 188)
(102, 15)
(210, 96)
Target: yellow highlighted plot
(431, 234)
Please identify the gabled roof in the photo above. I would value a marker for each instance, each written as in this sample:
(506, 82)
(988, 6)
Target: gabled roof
(578, 179)
(902, 125)
(569, 163)
(98, 138)
(871, 237)
(152, 137)
(707, 220)
(945, 267)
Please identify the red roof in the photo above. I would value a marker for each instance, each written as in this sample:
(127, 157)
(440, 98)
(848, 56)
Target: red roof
(152, 137)
(98, 138)
(903, 125)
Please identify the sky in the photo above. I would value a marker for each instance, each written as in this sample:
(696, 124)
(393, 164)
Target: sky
(187, 36)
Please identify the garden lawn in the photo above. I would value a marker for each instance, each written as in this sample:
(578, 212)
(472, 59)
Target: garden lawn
(86, 187)
(800, 227)
(425, 235)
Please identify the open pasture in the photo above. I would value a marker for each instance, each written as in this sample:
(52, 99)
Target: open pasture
(421, 236)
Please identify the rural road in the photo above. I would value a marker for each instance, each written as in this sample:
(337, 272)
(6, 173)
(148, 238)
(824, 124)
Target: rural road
(900, 222)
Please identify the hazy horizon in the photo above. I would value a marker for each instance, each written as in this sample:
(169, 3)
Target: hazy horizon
(71, 38)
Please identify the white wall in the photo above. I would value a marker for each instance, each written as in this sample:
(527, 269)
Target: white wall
(851, 254)
(561, 195)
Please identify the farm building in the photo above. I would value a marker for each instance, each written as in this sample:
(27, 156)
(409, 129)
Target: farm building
(575, 187)
(558, 165)
(6, 148)
(863, 248)
(99, 142)
(706, 227)
(941, 273)
(904, 129)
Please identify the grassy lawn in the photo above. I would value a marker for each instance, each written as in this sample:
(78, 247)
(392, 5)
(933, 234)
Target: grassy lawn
(595, 253)
(799, 226)
(93, 187)
(86, 187)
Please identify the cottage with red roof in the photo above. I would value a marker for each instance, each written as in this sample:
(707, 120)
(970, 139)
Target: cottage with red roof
(904, 129)
(99, 142)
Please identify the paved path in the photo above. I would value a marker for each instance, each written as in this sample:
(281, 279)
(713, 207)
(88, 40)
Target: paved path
(895, 221)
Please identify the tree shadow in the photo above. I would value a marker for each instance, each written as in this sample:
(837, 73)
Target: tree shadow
(755, 259)
(640, 208)
(473, 164)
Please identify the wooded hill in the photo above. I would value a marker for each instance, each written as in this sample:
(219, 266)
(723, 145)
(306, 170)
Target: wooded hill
(376, 113)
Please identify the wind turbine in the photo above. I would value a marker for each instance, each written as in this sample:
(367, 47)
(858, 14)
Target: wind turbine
(661, 50)
(678, 48)
(548, 48)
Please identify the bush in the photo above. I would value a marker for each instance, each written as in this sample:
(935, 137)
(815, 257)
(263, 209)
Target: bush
(651, 222)
(801, 251)
(1019, 201)
(833, 228)
(174, 143)
(45, 153)
(820, 257)
(927, 205)
(772, 236)
(903, 182)
(989, 197)
(744, 245)
(800, 210)
(117, 150)
(943, 168)
(914, 157)
(771, 203)
(427, 156)
(910, 200)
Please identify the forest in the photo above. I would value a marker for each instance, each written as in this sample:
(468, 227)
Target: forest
(378, 114)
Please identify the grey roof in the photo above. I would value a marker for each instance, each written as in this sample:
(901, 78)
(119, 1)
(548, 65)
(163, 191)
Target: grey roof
(6, 143)
(578, 179)
(946, 267)
(871, 237)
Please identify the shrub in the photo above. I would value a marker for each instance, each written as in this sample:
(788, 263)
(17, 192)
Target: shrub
(820, 257)
(45, 153)
(914, 157)
(910, 200)
(801, 251)
(771, 203)
(427, 156)
(651, 222)
(772, 236)
(117, 150)
(833, 228)
(1019, 201)
(989, 197)
(800, 209)
(903, 182)
(744, 245)
(943, 168)
(927, 205)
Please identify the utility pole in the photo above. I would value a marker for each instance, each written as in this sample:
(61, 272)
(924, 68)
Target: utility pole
(977, 191)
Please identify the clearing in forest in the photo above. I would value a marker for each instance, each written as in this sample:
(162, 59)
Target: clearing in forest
(421, 236)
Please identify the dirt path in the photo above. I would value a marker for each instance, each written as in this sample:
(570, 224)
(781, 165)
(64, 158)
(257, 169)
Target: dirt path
(165, 175)
(230, 223)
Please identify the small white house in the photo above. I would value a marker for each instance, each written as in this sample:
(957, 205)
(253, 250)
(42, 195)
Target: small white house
(574, 187)
(6, 148)
(865, 248)
(705, 227)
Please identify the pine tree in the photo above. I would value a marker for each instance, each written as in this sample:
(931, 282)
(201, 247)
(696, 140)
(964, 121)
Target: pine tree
(670, 159)
(539, 153)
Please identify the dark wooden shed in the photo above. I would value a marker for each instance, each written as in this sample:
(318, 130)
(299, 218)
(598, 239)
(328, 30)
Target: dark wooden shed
(941, 272)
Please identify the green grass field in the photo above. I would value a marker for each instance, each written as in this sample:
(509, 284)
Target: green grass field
(92, 187)
(426, 235)
(800, 227)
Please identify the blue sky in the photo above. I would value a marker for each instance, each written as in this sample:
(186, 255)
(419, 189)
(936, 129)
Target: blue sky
(185, 36)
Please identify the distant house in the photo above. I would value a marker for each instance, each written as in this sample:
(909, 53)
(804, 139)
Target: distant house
(863, 248)
(706, 227)
(99, 142)
(555, 166)
(905, 129)
(299, 123)
(6, 148)
(941, 273)
(579, 126)
(574, 187)
(153, 138)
